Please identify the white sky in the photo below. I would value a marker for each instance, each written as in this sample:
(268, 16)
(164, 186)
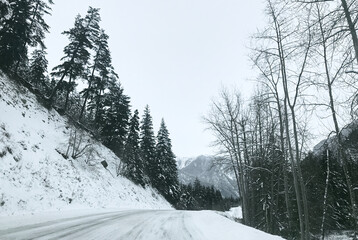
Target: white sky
(174, 55)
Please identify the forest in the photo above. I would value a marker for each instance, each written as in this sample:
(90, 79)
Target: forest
(306, 58)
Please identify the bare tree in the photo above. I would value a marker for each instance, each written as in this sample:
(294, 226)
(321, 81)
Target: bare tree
(77, 144)
(270, 75)
(329, 48)
(224, 121)
(348, 11)
(289, 46)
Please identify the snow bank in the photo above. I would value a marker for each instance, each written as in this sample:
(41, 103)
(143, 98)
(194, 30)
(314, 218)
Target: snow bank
(34, 176)
(234, 214)
(213, 226)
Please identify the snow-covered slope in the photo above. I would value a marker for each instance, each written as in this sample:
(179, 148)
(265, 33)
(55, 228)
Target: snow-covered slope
(209, 173)
(34, 176)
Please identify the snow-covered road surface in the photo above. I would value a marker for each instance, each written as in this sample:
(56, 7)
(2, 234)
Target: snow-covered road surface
(128, 225)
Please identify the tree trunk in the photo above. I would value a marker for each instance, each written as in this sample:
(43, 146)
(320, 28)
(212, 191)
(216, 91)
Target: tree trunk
(87, 94)
(294, 173)
(68, 93)
(325, 197)
(97, 107)
(299, 173)
(284, 166)
(287, 128)
(351, 26)
(247, 174)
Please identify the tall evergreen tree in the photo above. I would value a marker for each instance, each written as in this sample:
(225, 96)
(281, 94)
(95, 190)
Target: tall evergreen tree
(14, 33)
(38, 26)
(115, 116)
(134, 165)
(167, 173)
(38, 68)
(22, 24)
(4, 11)
(147, 146)
(77, 52)
(99, 70)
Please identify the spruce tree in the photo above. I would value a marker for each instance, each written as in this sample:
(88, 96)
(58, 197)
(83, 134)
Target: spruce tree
(22, 24)
(167, 172)
(147, 146)
(38, 68)
(38, 26)
(77, 52)
(4, 11)
(115, 116)
(134, 165)
(99, 70)
(198, 192)
(14, 33)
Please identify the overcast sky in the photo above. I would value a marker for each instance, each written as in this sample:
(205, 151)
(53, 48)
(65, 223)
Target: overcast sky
(174, 55)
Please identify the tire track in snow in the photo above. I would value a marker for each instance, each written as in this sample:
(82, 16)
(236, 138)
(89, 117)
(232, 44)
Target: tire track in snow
(53, 222)
(168, 225)
(63, 228)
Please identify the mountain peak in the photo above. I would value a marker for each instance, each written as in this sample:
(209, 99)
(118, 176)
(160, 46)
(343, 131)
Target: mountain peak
(209, 172)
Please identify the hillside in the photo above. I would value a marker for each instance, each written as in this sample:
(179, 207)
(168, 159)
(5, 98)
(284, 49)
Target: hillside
(349, 136)
(35, 176)
(209, 173)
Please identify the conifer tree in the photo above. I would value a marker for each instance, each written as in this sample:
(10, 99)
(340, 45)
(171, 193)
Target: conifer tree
(134, 166)
(96, 96)
(4, 11)
(99, 70)
(97, 92)
(115, 116)
(167, 175)
(22, 24)
(14, 33)
(147, 146)
(77, 52)
(38, 26)
(38, 68)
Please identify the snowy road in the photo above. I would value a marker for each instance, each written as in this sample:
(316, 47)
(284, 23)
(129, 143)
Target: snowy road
(132, 224)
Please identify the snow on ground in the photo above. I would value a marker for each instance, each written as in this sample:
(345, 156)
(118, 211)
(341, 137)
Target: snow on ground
(235, 213)
(211, 222)
(34, 176)
(339, 235)
(132, 225)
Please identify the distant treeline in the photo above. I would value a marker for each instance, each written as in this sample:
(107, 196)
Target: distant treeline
(199, 197)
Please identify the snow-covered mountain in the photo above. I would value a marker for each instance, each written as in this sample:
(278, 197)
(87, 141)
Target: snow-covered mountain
(183, 162)
(206, 169)
(34, 175)
(349, 137)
